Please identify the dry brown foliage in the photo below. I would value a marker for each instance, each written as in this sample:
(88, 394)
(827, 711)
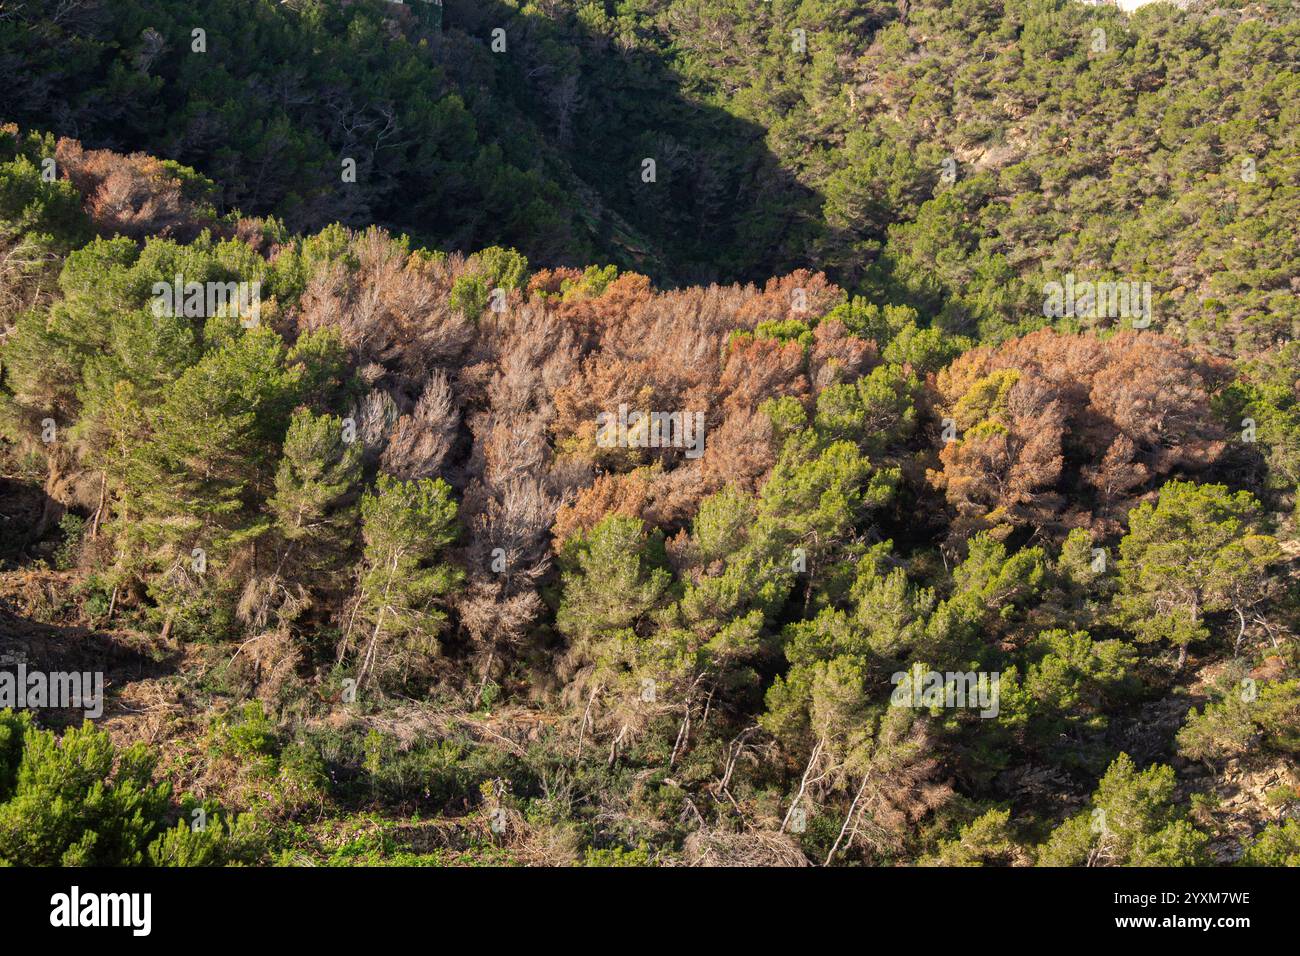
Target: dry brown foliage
(391, 309)
(674, 352)
(1088, 426)
(131, 195)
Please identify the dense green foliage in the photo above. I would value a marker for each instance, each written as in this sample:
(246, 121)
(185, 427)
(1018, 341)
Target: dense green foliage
(951, 156)
(881, 565)
(75, 801)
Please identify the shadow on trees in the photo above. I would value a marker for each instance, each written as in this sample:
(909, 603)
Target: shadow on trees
(541, 147)
(121, 658)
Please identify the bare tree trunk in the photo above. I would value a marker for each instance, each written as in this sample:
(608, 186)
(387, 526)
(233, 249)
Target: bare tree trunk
(94, 525)
(683, 734)
(803, 783)
(848, 819)
(586, 715)
(374, 637)
(732, 756)
(347, 635)
(370, 649)
(487, 671)
(613, 747)
(1268, 629)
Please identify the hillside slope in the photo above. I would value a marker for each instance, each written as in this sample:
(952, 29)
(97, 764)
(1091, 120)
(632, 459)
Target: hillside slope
(396, 545)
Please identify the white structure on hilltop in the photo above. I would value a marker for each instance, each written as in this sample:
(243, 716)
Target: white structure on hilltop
(1130, 5)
